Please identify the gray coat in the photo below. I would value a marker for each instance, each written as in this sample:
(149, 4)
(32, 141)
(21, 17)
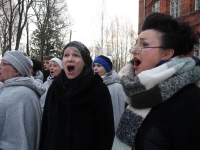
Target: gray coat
(20, 114)
(46, 86)
(117, 95)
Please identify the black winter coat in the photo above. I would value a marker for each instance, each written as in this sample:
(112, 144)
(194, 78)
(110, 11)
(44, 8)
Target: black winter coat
(174, 124)
(46, 74)
(78, 118)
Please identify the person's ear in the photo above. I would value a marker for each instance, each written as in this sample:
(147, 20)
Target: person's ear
(168, 54)
(16, 73)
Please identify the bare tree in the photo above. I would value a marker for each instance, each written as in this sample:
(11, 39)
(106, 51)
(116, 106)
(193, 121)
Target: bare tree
(119, 37)
(101, 22)
(8, 21)
(52, 22)
(23, 7)
(3, 34)
(13, 20)
(115, 37)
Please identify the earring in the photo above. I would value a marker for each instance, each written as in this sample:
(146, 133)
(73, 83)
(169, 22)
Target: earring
(161, 62)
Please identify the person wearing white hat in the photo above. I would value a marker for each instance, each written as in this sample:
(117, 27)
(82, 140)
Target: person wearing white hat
(102, 65)
(20, 111)
(55, 67)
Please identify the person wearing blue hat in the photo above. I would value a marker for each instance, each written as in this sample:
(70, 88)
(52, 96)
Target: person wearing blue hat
(102, 65)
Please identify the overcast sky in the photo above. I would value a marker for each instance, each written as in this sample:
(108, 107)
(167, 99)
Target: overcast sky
(85, 13)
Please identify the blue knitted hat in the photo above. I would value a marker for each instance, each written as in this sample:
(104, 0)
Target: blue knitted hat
(105, 61)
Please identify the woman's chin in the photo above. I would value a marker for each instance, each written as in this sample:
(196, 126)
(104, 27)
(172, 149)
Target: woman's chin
(136, 71)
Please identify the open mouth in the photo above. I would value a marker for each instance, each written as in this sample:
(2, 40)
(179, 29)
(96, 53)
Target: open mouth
(137, 62)
(70, 68)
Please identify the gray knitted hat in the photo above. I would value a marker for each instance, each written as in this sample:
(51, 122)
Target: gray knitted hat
(20, 61)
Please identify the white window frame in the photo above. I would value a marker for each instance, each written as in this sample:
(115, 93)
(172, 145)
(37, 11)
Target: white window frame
(175, 8)
(197, 4)
(156, 6)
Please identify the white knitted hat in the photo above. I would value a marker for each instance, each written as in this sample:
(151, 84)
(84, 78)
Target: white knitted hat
(59, 62)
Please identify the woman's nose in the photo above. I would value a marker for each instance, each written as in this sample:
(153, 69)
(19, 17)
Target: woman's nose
(70, 58)
(135, 50)
(95, 67)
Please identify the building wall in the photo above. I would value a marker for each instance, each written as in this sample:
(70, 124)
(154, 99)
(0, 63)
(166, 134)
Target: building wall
(188, 12)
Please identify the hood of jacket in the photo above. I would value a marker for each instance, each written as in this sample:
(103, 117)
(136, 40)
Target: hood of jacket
(27, 82)
(39, 76)
(110, 78)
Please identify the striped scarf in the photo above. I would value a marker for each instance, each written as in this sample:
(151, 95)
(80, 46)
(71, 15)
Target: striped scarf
(150, 88)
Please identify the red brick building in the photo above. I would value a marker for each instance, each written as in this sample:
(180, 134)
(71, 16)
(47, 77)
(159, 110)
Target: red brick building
(188, 10)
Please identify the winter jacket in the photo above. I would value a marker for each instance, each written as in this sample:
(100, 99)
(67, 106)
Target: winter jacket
(117, 95)
(39, 76)
(46, 74)
(77, 118)
(46, 86)
(163, 107)
(173, 124)
(20, 114)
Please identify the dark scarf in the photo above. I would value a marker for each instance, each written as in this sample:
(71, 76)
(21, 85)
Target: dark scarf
(150, 88)
(70, 88)
(77, 83)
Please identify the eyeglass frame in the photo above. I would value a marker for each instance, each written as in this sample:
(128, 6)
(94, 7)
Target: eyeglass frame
(146, 47)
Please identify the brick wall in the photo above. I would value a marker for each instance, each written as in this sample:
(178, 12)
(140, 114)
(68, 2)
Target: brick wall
(187, 11)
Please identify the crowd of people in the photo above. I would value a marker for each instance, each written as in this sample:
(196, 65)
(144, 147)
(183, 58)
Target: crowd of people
(80, 103)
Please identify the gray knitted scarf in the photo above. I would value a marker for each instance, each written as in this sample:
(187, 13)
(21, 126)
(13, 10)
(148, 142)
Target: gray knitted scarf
(150, 88)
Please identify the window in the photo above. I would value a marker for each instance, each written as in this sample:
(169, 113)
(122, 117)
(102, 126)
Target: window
(197, 49)
(197, 4)
(175, 8)
(156, 6)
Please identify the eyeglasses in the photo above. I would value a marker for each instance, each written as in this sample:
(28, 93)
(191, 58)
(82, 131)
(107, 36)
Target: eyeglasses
(3, 64)
(139, 49)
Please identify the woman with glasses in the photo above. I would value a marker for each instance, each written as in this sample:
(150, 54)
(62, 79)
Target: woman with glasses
(20, 112)
(163, 99)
